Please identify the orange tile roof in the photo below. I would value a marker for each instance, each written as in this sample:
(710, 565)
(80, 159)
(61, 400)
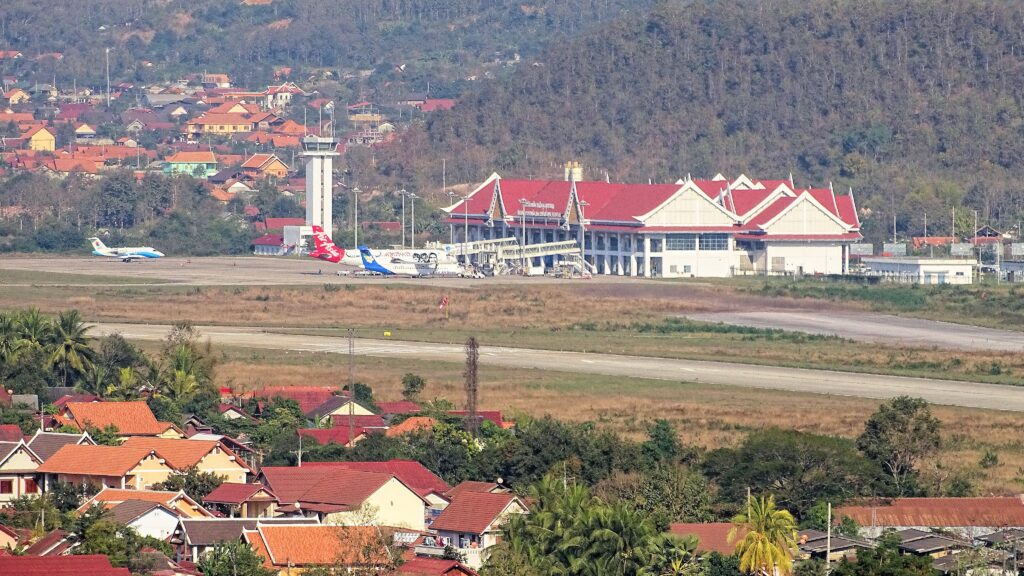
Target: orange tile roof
(180, 454)
(93, 460)
(228, 119)
(259, 160)
(112, 496)
(411, 425)
(222, 195)
(304, 545)
(194, 157)
(711, 536)
(130, 418)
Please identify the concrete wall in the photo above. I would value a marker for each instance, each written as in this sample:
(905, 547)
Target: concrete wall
(228, 467)
(807, 258)
(158, 523)
(393, 504)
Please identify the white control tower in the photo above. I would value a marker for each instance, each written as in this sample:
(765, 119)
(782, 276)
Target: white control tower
(319, 152)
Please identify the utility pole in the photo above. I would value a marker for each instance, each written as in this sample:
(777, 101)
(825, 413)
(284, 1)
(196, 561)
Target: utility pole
(472, 384)
(351, 384)
(828, 538)
(522, 215)
(444, 174)
(355, 208)
(451, 225)
(402, 194)
(412, 198)
(108, 77)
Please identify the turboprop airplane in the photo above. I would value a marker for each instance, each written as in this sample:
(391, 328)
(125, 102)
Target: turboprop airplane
(125, 254)
(411, 262)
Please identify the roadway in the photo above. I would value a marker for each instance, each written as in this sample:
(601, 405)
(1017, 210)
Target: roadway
(873, 327)
(967, 394)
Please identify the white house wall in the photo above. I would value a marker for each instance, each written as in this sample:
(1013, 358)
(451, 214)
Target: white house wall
(805, 218)
(689, 208)
(158, 523)
(806, 258)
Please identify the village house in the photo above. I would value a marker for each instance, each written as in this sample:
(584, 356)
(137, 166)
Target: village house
(471, 524)
(18, 465)
(345, 496)
(428, 485)
(341, 435)
(204, 455)
(40, 138)
(236, 500)
(147, 518)
(193, 163)
(336, 405)
(16, 96)
(194, 537)
(182, 504)
(289, 549)
(105, 466)
(422, 566)
(264, 165)
(218, 124)
(130, 418)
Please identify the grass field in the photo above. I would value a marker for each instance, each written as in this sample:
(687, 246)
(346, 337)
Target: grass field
(23, 277)
(705, 416)
(597, 319)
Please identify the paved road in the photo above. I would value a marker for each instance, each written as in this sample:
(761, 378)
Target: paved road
(870, 327)
(967, 394)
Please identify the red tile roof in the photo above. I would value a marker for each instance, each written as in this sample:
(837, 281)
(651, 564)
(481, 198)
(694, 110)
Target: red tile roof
(325, 436)
(411, 473)
(711, 537)
(435, 104)
(471, 486)
(234, 493)
(10, 433)
(940, 512)
(421, 566)
(193, 157)
(409, 425)
(84, 565)
(308, 397)
(342, 488)
(364, 421)
(472, 512)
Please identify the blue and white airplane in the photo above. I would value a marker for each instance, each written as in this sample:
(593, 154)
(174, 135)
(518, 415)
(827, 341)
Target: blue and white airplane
(125, 254)
(411, 262)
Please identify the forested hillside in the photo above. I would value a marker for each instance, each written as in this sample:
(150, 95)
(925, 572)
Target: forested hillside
(442, 42)
(915, 104)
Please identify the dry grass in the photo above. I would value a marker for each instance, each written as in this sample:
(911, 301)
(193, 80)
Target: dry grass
(706, 416)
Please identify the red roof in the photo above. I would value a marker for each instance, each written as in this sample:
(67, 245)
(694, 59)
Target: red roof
(422, 566)
(10, 433)
(309, 398)
(341, 489)
(366, 421)
(410, 472)
(83, 565)
(325, 436)
(472, 512)
(711, 537)
(234, 493)
(269, 240)
(940, 512)
(435, 104)
(279, 223)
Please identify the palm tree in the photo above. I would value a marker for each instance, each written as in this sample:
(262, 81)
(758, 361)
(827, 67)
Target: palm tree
(766, 538)
(94, 381)
(34, 329)
(9, 337)
(126, 386)
(71, 351)
(181, 385)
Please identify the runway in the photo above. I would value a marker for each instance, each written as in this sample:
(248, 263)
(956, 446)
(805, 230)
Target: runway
(873, 327)
(947, 392)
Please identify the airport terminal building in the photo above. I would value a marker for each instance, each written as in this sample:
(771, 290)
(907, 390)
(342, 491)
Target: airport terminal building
(693, 228)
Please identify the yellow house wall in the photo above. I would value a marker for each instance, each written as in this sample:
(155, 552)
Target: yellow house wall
(391, 505)
(42, 141)
(187, 509)
(20, 460)
(149, 472)
(170, 433)
(219, 463)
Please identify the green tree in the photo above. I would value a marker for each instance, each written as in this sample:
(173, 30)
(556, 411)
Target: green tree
(765, 538)
(121, 544)
(897, 436)
(108, 436)
(71, 353)
(666, 494)
(195, 483)
(798, 468)
(234, 558)
(412, 386)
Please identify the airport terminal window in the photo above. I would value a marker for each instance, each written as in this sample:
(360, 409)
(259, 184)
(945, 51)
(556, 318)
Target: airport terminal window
(681, 242)
(655, 245)
(714, 242)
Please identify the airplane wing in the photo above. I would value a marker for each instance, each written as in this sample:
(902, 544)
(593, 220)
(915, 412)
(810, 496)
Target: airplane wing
(132, 257)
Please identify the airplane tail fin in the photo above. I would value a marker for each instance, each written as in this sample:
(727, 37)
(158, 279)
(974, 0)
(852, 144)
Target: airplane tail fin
(369, 262)
(325, 248)
(98, 245)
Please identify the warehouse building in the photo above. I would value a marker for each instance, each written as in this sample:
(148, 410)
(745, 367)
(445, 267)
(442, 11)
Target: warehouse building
(693, 228)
